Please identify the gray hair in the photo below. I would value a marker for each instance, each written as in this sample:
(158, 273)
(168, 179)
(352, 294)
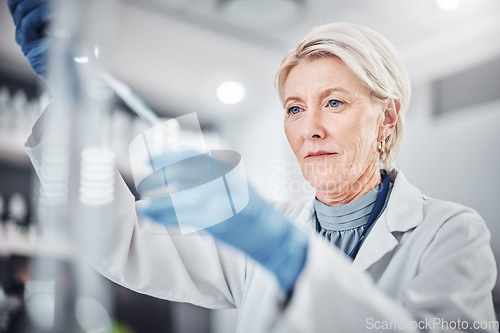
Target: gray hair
(371, 57)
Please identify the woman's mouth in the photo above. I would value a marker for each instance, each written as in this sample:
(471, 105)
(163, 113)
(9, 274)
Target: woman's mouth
(319, 154)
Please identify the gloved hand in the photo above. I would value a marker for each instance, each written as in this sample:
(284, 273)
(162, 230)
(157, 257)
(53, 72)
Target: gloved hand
(30, 18)
(258, 229)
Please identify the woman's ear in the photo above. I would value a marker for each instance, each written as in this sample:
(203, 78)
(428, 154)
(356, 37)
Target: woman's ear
(391, 113)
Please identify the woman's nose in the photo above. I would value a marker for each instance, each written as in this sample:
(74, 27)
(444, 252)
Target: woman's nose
(312, 126)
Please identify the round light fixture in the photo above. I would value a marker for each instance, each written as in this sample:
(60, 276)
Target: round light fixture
(230, 92)
(447, 4)
(81, 59)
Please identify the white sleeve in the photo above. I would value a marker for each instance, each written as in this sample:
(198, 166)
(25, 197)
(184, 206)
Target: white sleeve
(453, 282)
(456, 275)
(144, 257)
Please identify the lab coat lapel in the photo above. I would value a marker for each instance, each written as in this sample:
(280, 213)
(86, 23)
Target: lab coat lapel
(380, 241)
(403, 213)
(306, 216)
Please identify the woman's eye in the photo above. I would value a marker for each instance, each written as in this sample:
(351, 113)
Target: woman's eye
(334, 103)
(294, 110)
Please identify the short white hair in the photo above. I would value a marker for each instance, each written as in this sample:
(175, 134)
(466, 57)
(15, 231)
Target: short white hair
(371, 57)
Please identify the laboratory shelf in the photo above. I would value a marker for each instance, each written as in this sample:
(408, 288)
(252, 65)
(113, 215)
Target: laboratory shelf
(29, 244)
(12, 147)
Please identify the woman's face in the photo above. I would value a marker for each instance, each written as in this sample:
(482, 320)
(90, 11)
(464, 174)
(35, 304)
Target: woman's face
(332, 124)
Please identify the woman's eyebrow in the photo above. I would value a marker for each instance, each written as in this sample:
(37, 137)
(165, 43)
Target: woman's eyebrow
(291, 98)
(329, 91)
(322, 95)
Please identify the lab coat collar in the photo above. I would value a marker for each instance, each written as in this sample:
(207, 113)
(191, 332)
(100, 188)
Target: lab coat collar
(307, 216)
(404, 212)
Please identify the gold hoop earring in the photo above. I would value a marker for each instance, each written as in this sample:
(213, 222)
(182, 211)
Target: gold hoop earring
(381, 147)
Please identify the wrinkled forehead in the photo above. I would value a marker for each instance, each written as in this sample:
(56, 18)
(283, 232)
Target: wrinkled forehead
(314, 75)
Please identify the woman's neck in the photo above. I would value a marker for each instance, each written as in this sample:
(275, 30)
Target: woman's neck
(349, 192)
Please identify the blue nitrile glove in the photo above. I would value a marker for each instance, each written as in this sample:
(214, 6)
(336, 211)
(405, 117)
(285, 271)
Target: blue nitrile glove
(257, 229)
(30, 18)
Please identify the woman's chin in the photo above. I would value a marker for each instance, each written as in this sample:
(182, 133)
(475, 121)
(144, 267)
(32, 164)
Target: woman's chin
(325, 184)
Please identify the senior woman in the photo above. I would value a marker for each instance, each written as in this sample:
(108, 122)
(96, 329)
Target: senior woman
(368, 251)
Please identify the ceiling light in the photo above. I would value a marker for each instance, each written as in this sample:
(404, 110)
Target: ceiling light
(447, 4)
(230, 92)
(81, 60)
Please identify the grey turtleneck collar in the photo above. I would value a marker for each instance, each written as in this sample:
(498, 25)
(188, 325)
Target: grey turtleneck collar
(343, 225)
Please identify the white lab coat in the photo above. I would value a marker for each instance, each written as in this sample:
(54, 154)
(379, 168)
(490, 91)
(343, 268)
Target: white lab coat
(423, 259)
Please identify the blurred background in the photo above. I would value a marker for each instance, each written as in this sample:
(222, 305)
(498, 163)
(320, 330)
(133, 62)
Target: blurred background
(179, 55)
